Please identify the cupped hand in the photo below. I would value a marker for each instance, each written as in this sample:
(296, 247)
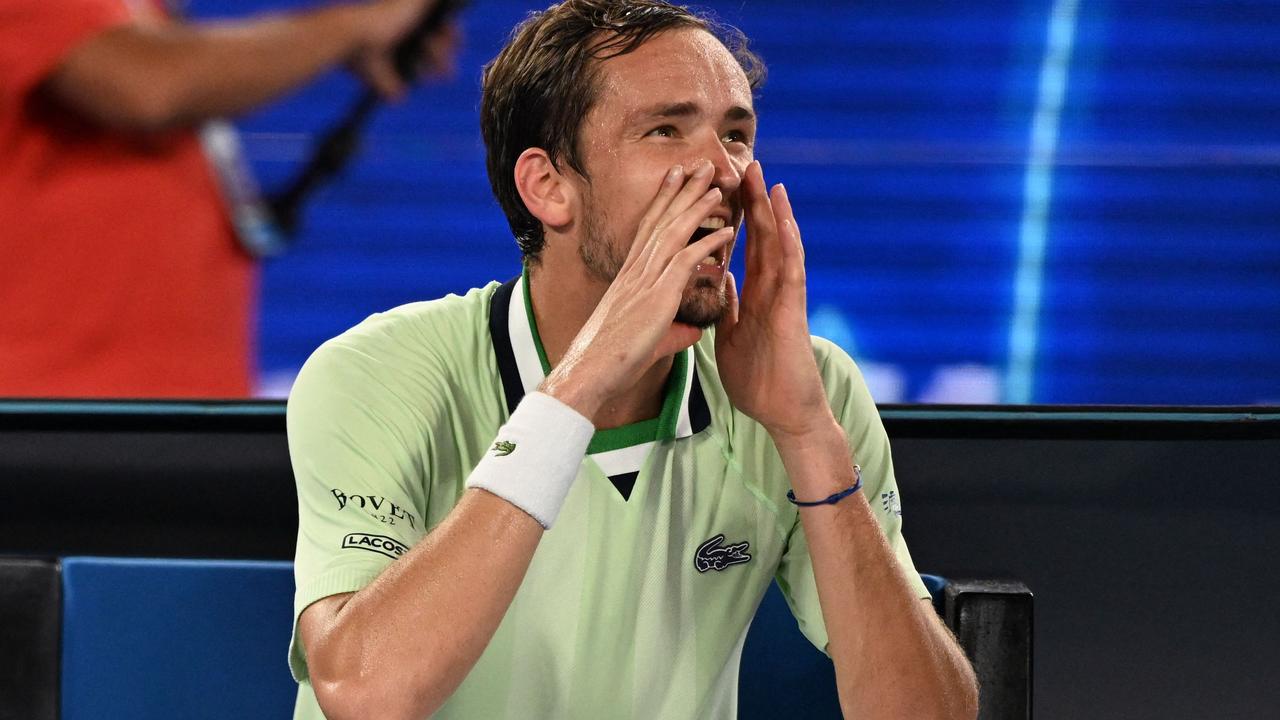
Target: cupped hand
(634, 323)
(763, 349)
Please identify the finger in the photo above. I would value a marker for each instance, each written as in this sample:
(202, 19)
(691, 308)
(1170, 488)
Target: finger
(666, 192)
(676, 273)
(671, 238)
(788, 231)
(729, 319)
(703, 172)
(690, 193)
(762, 229)
(677, 337)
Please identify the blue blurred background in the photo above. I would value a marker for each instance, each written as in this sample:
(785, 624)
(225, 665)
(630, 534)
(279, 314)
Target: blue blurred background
(1030, 202)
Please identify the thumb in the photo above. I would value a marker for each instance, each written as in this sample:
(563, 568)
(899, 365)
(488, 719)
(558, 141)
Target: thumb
(729, 320)
(676, 338)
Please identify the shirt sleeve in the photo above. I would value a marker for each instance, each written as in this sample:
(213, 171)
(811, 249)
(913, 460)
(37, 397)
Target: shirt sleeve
(359, 455)
(869, 444)
(35, 36)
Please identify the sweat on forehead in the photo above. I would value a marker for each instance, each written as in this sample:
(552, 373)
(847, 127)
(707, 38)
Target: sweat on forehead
(680, 57)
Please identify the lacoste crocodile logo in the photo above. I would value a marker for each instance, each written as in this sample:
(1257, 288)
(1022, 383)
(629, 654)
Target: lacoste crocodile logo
(503, 448)
(711, 556)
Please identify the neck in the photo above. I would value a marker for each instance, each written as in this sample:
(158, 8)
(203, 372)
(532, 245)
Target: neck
(560, 309)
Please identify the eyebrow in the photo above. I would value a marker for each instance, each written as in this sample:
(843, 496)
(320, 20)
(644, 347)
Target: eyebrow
(689, 109)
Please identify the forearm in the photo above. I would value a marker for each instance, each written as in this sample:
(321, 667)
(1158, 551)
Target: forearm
(408, 639)
(893, 658)
(150, 76)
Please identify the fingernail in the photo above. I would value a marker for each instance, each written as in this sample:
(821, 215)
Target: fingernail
(675, 173)
(704, 168)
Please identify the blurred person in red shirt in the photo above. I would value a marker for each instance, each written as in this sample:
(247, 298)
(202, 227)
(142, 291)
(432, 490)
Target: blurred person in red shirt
(120, 272)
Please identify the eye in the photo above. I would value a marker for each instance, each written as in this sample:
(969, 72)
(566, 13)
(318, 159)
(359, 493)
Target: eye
(736, 136)
(663, 131)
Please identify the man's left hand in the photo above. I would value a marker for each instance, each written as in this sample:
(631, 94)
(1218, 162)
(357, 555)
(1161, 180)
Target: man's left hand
(763, 348)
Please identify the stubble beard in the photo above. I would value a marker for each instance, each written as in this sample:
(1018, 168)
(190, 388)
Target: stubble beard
(701, 305)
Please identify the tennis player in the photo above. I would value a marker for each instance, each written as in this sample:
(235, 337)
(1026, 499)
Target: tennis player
(564, 496)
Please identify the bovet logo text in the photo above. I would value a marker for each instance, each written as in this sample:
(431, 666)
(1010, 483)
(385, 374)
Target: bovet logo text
(390, 547)
(378, 507)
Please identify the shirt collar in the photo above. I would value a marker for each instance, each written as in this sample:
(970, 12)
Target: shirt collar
(522, 365)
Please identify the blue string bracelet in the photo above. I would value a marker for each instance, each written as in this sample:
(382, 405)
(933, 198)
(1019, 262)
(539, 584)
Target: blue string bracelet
(831, 499)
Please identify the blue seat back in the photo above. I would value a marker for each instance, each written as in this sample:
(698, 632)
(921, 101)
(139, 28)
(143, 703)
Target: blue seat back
(782, 675)
(146, 639)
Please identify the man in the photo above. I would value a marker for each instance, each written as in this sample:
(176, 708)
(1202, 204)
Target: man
(564, 497)
(120, 274)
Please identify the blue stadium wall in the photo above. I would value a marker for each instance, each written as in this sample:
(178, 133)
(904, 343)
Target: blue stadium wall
(1052, 201)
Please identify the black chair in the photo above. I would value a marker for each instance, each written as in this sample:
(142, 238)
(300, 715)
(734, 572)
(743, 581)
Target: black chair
(783, 676)
(992, 619)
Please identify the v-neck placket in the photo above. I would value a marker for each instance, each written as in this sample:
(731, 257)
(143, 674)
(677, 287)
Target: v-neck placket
(619, 453)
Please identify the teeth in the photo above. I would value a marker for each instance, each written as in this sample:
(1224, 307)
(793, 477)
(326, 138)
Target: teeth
(712, 223)
(710, 260)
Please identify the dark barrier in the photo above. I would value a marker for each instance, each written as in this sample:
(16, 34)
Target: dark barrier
(30, 599)
(1146, 534)
(146, 479)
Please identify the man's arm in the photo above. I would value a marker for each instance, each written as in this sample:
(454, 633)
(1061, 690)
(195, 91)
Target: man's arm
(893, 656)
(405, 642)
(410, 637)
(893, 659)
(146, 75)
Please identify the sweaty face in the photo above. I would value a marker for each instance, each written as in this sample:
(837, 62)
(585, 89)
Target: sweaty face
(679, 99)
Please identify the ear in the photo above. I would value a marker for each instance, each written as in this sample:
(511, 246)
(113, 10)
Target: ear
(547, 192)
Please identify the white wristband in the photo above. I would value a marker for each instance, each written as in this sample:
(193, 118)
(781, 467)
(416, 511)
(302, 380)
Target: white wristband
(535, 458)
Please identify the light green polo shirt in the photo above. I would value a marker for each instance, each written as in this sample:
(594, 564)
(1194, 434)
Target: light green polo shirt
(637, 601)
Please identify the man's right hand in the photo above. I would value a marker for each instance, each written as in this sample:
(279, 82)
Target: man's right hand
(634, 323)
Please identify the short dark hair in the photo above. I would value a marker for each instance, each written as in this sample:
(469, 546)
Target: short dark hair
(541, 86)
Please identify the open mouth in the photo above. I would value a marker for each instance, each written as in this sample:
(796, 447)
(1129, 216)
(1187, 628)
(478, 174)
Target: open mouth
(707, 227)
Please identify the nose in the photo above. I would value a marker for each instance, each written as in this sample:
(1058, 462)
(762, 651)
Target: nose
(728, 169)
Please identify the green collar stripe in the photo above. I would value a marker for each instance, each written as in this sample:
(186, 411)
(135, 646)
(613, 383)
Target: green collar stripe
(662, 427)
(675, 397)
(623, 437)
(533, 324)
